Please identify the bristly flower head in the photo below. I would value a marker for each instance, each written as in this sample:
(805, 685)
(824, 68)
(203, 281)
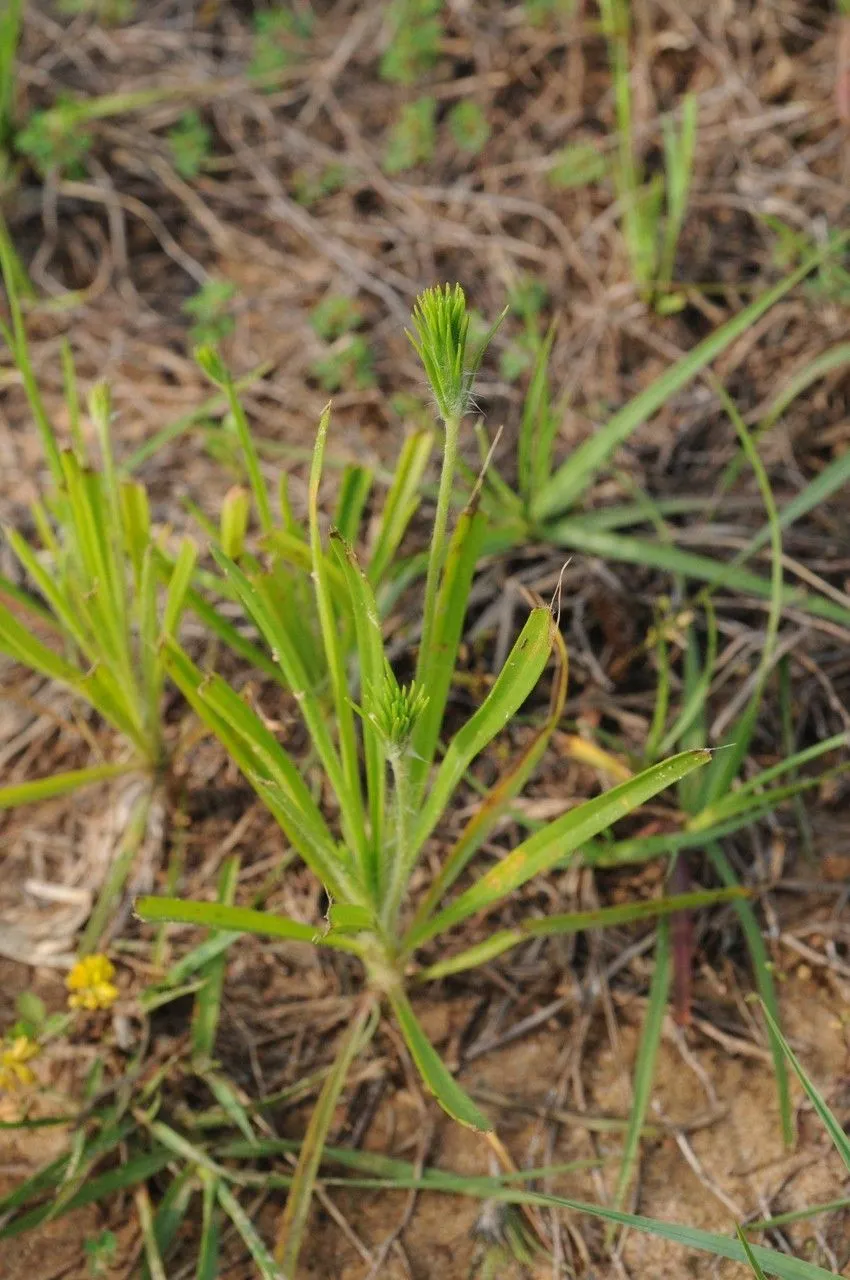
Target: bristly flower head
(397, 707)
(440, 330)
(15, 1055)
(90, 984)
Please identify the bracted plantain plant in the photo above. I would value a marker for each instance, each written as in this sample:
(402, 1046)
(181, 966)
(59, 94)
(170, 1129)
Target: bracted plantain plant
(377, 742)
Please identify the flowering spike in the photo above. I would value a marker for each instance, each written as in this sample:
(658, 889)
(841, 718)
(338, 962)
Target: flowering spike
(440, 323)
(396, 710)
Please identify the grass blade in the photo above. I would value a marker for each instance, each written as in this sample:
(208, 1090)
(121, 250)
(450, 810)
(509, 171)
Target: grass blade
(830, 1122)
(62, 784)
(291, 1230)
(400, 503)
(497, 799)
(763, 972)
(251, 1239)
(518, 677)
(578, 536)
(574, 476)
(755, 1265)
(650, 1041)
(563, 836)
(436, 667)
(208, 1000)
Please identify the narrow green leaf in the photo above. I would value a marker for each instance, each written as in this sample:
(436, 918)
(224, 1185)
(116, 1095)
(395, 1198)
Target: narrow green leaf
(436, 1075)
(648, 1046)
(243, 1224)
(354, 489)
(575, 475)
(213, 915)
(518, 677)
(763, 972)
(755, 1265)
(563, 836)
(400, 503)
(208, 1000)
(371, 663)
(207, 1267)
(61, 784)
(136, 1170)
(291, 1229)
(496, 801)
(350, 797)
(436, 664)
(829, 1121)
(170, 1213)
(577, 922)
(576, 535)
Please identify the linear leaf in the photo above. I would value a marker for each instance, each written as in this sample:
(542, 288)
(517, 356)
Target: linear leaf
(566, 834)
(214, 915)
(577, 922)
(436, 1075)
(575, 475)
(518, 677)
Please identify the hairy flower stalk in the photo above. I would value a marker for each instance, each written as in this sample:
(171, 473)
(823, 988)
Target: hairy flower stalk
(440, 335)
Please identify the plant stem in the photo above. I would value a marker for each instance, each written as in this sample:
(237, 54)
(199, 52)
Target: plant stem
(399, 869)
(437, 555)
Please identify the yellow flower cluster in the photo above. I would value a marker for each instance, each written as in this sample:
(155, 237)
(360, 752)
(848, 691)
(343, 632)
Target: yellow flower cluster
(90, 984)
(14, 1057)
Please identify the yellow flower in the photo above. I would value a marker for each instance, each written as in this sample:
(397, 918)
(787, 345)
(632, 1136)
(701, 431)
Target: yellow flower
(90, 984)
(13, 1062)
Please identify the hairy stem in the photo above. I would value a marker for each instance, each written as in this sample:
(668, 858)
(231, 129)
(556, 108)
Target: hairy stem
(437, 557)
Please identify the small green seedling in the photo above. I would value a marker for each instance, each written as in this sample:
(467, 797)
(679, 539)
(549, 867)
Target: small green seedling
(378, 755)
(209, 311)
(190, 142)
(413, 137)
(416, 33)
(309, 186)
(280, 37)
(469, 126)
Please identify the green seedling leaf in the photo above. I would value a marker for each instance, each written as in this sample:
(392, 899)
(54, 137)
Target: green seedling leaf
(400, 503)
(650, 1041)
(586, 537)
(439, 1081)
(497, 799)
(134, 1172)
(437, 657)
(208, 1255)
(354, 489)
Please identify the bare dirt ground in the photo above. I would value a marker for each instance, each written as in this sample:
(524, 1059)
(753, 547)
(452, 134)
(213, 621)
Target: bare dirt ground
(546, 1038)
